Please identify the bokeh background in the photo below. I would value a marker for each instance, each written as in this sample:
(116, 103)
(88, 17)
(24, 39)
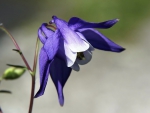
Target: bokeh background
(110, 83)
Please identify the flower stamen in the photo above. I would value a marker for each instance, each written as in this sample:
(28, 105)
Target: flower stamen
(80, 56)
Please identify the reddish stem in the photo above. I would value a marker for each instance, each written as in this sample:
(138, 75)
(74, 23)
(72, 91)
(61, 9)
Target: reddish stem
(32, 94)
(33, 76)
(17, 47)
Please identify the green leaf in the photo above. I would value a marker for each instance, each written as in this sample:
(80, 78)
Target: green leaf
(5, 91)
(17, 66)
(17, 51)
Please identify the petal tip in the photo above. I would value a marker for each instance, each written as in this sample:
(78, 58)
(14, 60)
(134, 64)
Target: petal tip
(119, 50)
(37, 95)
(61, 101)
(117, 20)
(54, 17)
(123, 49)
(44, 24)
(61, 104)
(51, 22)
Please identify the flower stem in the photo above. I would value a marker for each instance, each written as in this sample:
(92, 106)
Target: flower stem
(33, 76)
(32, 94)
(16, 45)
(32, 72)
(36, 55)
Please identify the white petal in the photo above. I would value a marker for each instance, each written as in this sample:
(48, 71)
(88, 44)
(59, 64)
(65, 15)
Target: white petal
(75, 43)
(91, 48)
(87, 56)
(70, 56)
(75, 66)
(70, 36)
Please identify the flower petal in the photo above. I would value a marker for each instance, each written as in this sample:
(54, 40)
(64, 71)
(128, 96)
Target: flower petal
(41, 36)
(87, 56)
(75, 67)
(65, 53)
(70, 56)
(47, 33)
(71, 38)
(59, 73)
(44, 64)
(91, 48)
(99, 41)
(77, 23)
(52, 44)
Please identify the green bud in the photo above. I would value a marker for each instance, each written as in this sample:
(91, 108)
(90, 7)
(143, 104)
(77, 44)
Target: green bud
(13, 73)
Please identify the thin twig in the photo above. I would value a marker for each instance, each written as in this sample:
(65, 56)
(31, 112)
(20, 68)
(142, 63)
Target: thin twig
(12, 38)
(33, 76)
(17, 46)
(26, 63)
(32, 94)
(36, 55)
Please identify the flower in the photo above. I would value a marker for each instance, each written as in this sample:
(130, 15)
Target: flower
(70, 44)
(51, 62)
(81, 39)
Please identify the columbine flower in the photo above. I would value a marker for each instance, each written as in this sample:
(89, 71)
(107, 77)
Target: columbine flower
(81, 39)
(71, 44)
(50, 61)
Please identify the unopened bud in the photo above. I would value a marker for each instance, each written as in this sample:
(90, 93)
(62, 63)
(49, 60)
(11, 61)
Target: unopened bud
(13, 73)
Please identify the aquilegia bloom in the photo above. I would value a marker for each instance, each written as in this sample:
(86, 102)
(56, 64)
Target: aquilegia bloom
(68, 46)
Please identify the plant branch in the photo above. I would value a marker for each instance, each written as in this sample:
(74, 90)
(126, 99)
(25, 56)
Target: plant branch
(36, 55)
(32, 94)
(16, 45)
(33, 76)
(32, 72)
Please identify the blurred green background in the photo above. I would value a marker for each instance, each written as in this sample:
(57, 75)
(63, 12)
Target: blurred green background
(14, 13)
(110, 83)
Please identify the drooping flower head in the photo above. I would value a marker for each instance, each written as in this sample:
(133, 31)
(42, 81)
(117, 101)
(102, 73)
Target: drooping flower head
(69, 46)
(51, 63)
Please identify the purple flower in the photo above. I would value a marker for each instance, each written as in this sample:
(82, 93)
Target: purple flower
(68, 46)
(50, 61)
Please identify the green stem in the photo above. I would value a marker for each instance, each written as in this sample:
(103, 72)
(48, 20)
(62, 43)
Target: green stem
(36, 55)
(33, 76)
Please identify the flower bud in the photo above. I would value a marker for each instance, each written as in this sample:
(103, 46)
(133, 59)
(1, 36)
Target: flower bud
(13, 73)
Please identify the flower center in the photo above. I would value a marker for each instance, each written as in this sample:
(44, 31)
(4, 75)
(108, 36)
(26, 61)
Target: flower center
(80, 56)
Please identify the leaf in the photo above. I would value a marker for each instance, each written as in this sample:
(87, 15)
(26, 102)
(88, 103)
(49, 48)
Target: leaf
(17, 51)
(5, 91)
(17, 66)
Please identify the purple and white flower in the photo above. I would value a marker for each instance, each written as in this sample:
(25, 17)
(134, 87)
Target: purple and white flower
(69, 46)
